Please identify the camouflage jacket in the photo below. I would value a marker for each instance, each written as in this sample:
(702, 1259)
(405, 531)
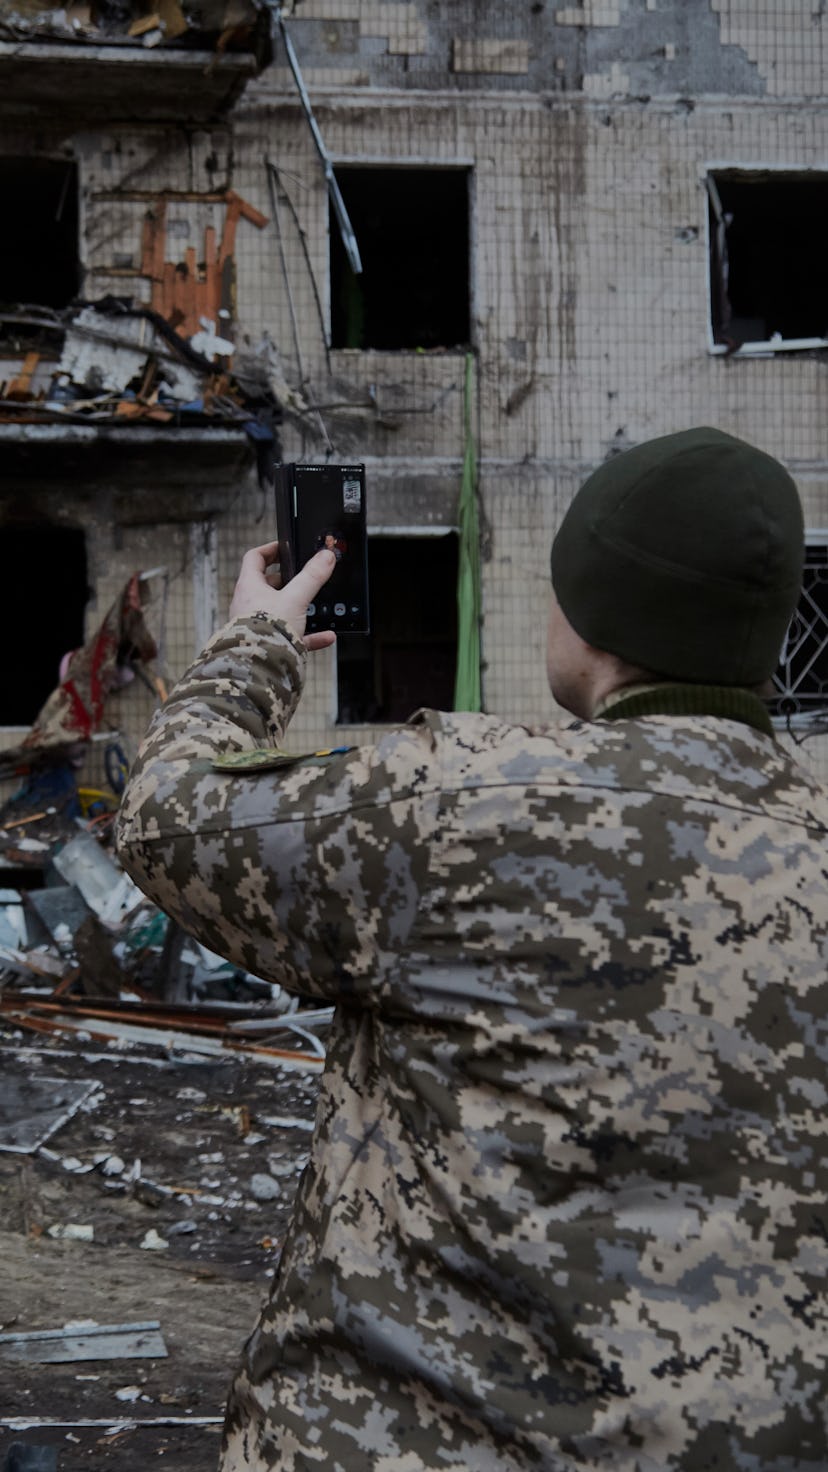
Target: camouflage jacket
(566, 1201)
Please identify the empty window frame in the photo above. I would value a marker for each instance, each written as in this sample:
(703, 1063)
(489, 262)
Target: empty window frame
(412, 228)
(768, 284)
(801, 680)
(44, 629)
(408, 660)
(39, 251)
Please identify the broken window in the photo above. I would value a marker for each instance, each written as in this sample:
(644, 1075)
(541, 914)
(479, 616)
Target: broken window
(40, 629)
(412, 228)
(768, 283)
(409, 658)
(39, 253)
(801, 680)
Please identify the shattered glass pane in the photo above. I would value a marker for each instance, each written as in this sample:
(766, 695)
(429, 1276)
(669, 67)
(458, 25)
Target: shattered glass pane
(31, 1109)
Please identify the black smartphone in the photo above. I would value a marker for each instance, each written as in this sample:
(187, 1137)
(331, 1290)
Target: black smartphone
(324, 506)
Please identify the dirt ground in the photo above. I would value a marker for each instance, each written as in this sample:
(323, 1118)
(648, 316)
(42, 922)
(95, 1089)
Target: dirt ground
(179, 1148)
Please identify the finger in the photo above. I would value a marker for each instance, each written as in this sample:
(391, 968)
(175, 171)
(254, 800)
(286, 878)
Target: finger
(268, 550)
(307, 582)
(322, 640)
(259, 558)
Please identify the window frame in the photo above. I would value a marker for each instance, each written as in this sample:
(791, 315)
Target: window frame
(398, 163)
(814, 537)
(385, 532)
(71, 190)
(770, 347)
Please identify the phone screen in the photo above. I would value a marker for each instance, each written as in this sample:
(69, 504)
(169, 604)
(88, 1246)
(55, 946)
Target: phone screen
(329, 511)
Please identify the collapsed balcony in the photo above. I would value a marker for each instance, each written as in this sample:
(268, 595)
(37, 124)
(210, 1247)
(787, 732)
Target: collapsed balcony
(121, 60)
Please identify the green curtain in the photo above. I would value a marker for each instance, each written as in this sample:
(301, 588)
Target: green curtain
(467, 676)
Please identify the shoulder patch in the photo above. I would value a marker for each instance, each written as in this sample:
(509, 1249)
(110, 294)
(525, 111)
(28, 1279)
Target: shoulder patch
(268, 758)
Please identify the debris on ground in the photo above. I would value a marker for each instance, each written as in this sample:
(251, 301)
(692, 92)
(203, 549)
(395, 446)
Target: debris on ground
(81, 948)
(201, 1153)
(156, 1105)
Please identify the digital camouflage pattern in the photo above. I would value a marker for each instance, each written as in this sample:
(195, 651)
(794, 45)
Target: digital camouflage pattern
(566, 1203)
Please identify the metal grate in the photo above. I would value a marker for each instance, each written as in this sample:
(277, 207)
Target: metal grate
(801, 680)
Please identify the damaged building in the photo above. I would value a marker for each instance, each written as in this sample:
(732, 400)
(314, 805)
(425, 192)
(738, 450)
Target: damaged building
(479, 248)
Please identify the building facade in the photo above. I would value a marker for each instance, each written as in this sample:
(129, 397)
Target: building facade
(580, 226)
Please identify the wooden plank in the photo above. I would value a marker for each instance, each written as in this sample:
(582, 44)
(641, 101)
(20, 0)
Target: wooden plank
(167, 293)
(21, 386)
(153, 196)
(228, 234)
(97, 1342)
(247, 211)
(147, 244)
(190, 282)
(210, 297)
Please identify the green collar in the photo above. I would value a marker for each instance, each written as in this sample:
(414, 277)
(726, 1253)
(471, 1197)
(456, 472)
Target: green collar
(728, 702)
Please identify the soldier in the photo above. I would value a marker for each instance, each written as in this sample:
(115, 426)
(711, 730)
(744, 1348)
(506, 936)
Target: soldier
(566, 1201)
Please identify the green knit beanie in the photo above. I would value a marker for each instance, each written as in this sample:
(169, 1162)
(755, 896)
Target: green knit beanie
(684, 556)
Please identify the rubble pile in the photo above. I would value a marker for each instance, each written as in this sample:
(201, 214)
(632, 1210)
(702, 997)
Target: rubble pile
(81, 948)
(115, 363)
(203, 25)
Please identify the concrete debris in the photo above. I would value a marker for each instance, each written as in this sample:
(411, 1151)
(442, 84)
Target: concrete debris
(152, 1242)
(286, 1122)
(72, 1232)
(124, 363)
(104, 354)
(81, 949)
(265, 1188)
(219, 1259)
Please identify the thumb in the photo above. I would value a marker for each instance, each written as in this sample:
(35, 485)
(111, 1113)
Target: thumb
(304, 586)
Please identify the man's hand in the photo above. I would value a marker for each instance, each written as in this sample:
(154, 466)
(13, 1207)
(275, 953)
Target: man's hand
(259, 591)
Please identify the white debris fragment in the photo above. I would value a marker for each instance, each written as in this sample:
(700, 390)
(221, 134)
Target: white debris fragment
(264, 1188)
(72, 1232)
(286, 1121)
(209, 344)
(77, 1167)
(280, 1167)
(153, 1243)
